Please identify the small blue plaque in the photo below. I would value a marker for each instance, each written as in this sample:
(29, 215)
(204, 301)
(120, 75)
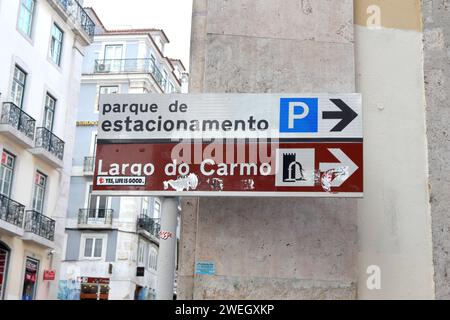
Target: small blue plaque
(205, 268)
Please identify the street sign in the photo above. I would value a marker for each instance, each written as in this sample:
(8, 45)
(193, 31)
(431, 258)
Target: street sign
(49, 275)
(177, 116)
(205, 268)
(230, 145)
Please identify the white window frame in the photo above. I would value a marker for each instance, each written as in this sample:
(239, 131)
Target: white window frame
(48, 95)
(145, 200)
(28, 35)
(61, 49)
(95, 236)
(87, 195)
(12, 169)
(97, 96)
(141, 254)
(93, 143)
(113, 44)
(152, 258)
(157, 201)
(23, 85)
(46, 188)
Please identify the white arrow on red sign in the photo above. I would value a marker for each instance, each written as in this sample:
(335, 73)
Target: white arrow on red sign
(335, 174)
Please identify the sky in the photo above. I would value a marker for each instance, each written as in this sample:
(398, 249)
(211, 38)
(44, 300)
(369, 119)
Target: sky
(173, 16)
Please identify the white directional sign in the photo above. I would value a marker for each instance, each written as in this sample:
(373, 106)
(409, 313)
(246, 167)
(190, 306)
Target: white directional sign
(155, 116)
(291, 145)
(341, 170)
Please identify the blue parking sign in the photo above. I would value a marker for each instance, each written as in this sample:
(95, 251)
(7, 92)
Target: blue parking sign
(299, 115)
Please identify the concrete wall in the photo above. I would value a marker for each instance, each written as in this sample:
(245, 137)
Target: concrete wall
(295, 248)
(437, 88)
(304, 248)
(394, 217)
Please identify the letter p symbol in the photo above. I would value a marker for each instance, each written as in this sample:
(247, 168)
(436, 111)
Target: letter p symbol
(299, 115)
(294, 114)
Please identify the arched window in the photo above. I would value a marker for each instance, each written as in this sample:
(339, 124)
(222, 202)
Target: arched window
(4, 256)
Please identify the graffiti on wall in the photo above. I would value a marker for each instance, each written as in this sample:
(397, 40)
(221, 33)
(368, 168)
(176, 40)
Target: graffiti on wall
(69, 290)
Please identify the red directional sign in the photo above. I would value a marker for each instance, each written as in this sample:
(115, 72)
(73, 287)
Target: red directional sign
(316, 169)
(308, 145)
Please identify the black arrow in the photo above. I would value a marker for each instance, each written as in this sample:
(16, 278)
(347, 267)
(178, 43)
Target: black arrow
(346, 115)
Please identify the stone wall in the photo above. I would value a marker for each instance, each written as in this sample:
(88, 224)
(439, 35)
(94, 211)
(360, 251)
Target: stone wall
(296, 248)
(437, 84)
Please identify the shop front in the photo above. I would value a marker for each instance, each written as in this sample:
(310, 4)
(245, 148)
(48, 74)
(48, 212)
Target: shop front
(4, 259)
(30, 279)
(94, 288)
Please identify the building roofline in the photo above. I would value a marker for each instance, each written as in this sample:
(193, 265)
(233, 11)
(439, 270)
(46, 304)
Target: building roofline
(137, 32)
(178, 60)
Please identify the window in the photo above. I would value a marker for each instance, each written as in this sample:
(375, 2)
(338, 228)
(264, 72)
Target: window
(152, 259)
(171, 87)
(26, 17)
(49, 112)
(93, 246)
(40, 183)
(113, 52)
(164, 80)
(98, 207)
(145, 206)
(6, 173)
(141, 253)
(94, 144)
(109, 89)
(157, 209)
(56, 44)
(18, 86)
(113, 57)
(105, 90)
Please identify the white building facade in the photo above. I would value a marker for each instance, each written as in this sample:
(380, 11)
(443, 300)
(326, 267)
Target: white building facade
(41, 59)
(112, 243)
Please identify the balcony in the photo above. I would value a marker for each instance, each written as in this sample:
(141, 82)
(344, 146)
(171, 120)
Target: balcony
(49, 147)
(149, 227)
(118, 66)
(88, 166)
(72, 12)
(17, 125)
(11, 216)
(39, 229)
(95, 218)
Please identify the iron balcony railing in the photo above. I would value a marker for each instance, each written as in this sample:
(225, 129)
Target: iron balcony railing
(95, 216)
(88, 164)
(47, 140)
(17, 118)
(150, 225)
(131, 66)
(78, 15)
(40, 225)
(11, 211)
